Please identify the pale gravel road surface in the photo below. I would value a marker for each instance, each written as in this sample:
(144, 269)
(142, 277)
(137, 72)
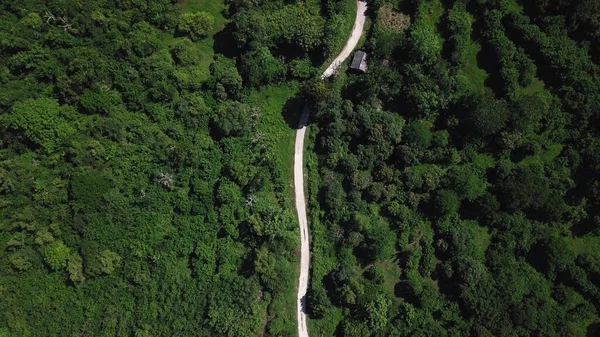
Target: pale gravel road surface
(299, 174)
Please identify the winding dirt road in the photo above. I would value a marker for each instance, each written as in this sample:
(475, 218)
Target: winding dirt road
(299, 174)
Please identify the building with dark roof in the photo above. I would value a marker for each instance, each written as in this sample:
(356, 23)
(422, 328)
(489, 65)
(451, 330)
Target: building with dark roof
(359, 61)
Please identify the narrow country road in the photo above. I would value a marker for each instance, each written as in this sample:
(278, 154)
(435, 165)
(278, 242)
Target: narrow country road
(299, 171)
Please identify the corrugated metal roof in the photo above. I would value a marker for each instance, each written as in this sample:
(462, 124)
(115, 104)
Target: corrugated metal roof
(359, 56)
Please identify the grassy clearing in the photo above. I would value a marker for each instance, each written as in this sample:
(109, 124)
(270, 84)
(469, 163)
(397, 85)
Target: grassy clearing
(484, 161)
(546, 156)
(272, 101)
(535, 87)
(474, 75)
(481, 235)
(204, 47)
(391, 273)
(585, 245)
(282, 310)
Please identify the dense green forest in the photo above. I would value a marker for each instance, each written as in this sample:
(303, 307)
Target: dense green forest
(144, 180)
(455, 187)
(145, 168)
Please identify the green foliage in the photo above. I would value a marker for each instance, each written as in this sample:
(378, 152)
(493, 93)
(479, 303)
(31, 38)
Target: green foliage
(418, 134)
(88, 188)
(485, 116)
(195, 25)
(109, 261)
(148, 189)
(20, 261)
(426, 43)
(447, 203)
(56, 255)
(319, 302)
(467, 183)
(340, 18)
(260, 67)
(377, 313)
(102, 102)
(227, 79)
(75, 269)
(233, 308)
(460, 23)
(32, 20)
(42, 122)
(234, 119)
(291, 24)
(302, 69)
(184, 54)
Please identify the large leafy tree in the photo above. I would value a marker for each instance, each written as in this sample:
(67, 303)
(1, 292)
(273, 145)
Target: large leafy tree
(42, 121)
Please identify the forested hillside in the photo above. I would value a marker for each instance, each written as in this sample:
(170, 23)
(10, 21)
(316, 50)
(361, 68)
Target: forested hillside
(144, 171)
(455, 187)
(145, 168)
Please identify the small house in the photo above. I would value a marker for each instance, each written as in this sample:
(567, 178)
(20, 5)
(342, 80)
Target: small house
(359, 62)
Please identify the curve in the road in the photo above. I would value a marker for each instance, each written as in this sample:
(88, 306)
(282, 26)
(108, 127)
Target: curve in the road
(299, 171)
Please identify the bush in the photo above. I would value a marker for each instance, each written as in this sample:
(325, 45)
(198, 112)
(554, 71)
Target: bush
(195, 25)
(447, 203)
(318, 302)
(41, 121)
(56, 255)
(260, 67)
(184, 54)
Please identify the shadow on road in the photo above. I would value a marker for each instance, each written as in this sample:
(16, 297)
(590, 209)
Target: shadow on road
(292, 110)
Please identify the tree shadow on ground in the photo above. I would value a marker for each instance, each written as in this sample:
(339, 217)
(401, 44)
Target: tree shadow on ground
(224, 42)
(593, 330)
(292, 110)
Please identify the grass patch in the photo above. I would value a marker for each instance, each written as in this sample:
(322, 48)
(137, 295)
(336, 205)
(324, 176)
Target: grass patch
(327, 325)
(474, 76)
(546, 156)
(484, 161)
(535, 87)
(481, 235)
(391, 273)
(426, 168)
(585, 245)
(204, 47)
(214, 7)
(272, 100)
(282, 309)
(431, 13)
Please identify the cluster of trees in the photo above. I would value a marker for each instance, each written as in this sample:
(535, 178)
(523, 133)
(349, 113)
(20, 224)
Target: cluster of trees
(445, 210)
(279, 40)
(138, 196)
